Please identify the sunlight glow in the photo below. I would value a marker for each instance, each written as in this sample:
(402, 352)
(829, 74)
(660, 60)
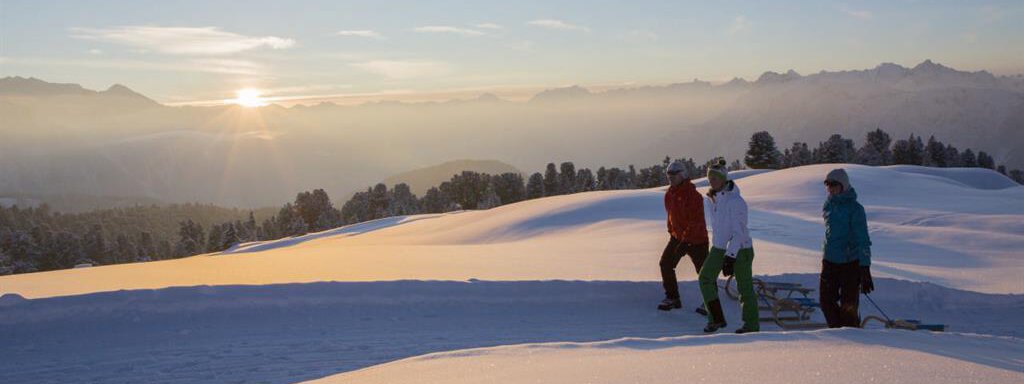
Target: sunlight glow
(249, 98)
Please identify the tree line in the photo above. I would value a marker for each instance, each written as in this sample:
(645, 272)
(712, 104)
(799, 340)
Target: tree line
(37, 239)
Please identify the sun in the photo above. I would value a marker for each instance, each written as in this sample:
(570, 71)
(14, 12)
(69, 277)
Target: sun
(249, 98)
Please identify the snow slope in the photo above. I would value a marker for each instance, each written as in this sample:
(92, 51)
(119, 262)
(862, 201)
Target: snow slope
(926, 225)
(946, 246)
(833, 356)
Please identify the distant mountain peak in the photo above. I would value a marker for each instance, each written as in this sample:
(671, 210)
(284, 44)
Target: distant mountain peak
(561, 94)
(771, 77)
(930, 67)
(488, 97)
(122, 91)
(30, 86)
(737, 81)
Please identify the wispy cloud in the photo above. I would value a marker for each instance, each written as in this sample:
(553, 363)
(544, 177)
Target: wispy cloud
(557, 24)
(489, 26)
(448, 29)
(199, 65)
(181, 40)
(859, 14)
(361, 33)
(95, 51)
(404, 69)
(739, 24)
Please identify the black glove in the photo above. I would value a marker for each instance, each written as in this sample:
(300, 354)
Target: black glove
(727, 266)
(866, 285)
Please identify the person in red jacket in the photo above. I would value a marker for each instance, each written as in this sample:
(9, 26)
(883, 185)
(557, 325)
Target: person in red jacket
(689, 234)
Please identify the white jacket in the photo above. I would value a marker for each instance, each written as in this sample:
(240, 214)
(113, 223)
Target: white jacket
(728, 220)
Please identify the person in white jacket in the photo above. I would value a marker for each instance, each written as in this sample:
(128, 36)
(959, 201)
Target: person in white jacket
(732, 251)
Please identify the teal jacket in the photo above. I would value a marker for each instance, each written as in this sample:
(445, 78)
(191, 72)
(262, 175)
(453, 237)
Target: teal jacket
(846, 230)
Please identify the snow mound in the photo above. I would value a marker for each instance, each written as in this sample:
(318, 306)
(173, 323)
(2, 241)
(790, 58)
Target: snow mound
(980, 178)
(11, 299)
(836, 356)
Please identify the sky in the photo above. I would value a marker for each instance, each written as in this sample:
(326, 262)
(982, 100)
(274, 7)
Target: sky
(202, 51)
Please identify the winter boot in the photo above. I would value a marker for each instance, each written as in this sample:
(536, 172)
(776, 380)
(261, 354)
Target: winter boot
(717, 319)
(669, 303)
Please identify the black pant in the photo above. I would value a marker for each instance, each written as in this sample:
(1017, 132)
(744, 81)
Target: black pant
(674, 251)
(840, 293)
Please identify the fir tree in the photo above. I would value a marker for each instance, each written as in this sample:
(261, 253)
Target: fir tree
(551, 180)
(967, 159)
(535, 186)
(876, 149)
(986, 161)
(567, 178)
(836, 150)
(761, 152)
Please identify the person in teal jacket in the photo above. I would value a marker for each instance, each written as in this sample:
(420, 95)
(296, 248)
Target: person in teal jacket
(846, 263)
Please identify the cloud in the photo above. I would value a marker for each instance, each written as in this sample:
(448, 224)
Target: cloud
(95, 51)
(361, 33)
(489, 26)
(448, 29)
(181, 40)
(557, 24)
(408, 69)
(863, 15)
(222, 66)
(739, 24)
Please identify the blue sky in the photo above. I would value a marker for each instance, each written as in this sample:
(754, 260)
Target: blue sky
(186, 51)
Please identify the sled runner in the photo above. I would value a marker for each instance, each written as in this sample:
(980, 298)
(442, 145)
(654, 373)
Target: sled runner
(912, 325)
(788, 303)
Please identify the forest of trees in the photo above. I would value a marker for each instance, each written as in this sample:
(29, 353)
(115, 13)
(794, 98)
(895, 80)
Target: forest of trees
(37, 239)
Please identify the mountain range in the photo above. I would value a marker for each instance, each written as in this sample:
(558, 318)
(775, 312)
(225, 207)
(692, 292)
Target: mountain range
(65, 139)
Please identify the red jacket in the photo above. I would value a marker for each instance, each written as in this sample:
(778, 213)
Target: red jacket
(685, 208)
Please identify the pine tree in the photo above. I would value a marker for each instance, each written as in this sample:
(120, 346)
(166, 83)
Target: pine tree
(798, 155)
(909, 151)
(251, 228)
(935, 153)
(434, 201)
(585, 180)
(509, 187)
(314, 206)
(551, 180)
(602, 179)
(836, 150)
(230, 237)
(1017, 175)
(215, 241)
(95, 244)
(6, 266)
(146, 247)
(986, 161)
(403, 201)
(191, 239)
(967, 159)
(952, 156)
(489, 199)
(567, 178)
(876, 149)
(535, 186)
(761, 152)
